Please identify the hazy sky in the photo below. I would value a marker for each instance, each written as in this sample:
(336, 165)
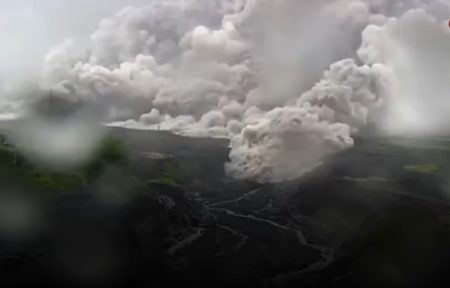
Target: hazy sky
(29, 27)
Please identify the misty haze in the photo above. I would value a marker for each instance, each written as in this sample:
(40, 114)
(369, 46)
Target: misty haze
(225, 143)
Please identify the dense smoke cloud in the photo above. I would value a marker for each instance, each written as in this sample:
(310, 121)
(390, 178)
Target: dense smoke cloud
(286, 141)
(28, 28)
(288, 81)
(414, 48)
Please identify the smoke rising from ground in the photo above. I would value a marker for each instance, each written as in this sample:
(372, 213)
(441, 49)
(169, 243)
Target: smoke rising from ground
(415, 49)
(287, 81)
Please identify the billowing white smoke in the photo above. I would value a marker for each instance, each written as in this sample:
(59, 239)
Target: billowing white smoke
(415, 48)
(253, 71)
(286, 141)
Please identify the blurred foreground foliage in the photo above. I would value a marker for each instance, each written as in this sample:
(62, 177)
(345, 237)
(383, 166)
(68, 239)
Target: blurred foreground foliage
(15, 166)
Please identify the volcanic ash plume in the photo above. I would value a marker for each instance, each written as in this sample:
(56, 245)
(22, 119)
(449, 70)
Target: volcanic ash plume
(415, 48)
(253, 71)
(287, 141)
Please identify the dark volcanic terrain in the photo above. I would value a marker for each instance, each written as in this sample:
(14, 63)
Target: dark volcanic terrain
(165, 215)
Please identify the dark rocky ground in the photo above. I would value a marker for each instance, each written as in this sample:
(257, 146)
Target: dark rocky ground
(377, 215)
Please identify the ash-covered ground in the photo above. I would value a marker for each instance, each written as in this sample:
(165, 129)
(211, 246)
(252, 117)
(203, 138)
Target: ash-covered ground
(163, 214)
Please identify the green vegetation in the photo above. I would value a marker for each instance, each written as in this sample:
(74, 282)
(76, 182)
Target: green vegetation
(424, 168)
(110, 151)
(164, 181)
(419, 145)
(169, 174)
(16, 167)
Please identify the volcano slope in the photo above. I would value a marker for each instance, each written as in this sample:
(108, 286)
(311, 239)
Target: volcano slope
(164, 214)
